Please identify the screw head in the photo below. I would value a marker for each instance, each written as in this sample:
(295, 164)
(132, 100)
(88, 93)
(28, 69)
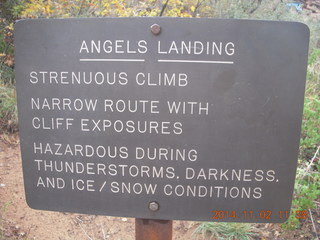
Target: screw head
(154, 206)
(155, 29)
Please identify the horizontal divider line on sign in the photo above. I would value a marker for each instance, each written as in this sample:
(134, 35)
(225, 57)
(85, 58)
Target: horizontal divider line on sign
(193, 61)
(110, 60)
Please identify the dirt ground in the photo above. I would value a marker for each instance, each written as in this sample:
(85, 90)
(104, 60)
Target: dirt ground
(18, 221)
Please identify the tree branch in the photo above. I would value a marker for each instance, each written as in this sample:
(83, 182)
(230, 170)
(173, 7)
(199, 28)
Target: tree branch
(164, 8)
(255, 9)
(199, 3)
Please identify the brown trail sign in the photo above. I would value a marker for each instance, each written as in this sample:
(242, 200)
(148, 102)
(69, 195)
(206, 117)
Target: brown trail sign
(191, 119)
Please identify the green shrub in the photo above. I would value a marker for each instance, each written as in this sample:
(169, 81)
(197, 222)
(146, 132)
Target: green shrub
(8, 109)
(307, 185)
(306, 191)
(310, 133)
(226, 231)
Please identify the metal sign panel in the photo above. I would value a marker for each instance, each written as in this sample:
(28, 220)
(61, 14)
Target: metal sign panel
(161, 118)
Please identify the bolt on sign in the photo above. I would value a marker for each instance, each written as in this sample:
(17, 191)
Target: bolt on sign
(158, 118)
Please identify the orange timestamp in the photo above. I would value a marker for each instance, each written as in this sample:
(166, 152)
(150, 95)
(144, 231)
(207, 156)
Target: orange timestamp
(216, 214)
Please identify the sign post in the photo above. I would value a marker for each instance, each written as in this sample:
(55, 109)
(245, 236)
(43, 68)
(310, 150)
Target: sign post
(158, 118)
(149, 229)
